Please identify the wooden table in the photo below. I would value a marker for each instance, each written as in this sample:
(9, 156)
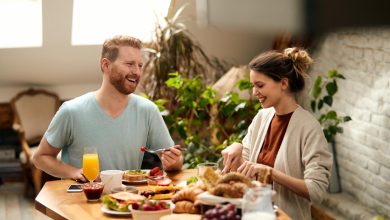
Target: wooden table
(55, 202)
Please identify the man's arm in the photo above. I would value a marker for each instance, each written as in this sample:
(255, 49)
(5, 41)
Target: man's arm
(173, 159)
(45, 158)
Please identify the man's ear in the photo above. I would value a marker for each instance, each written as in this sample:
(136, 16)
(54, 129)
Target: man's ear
(104, 64)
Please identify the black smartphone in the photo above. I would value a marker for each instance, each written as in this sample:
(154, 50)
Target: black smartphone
(75, 188)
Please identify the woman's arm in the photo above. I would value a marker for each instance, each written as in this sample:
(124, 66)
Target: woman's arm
(296, 185)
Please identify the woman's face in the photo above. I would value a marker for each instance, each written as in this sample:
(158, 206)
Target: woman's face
(268, 91)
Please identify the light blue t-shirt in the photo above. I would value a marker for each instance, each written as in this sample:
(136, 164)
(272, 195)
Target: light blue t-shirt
(81, 122)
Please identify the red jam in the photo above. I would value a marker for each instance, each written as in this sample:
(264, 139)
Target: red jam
(93, 191)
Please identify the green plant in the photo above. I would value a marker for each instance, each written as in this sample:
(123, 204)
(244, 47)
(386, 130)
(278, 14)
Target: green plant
(174, 50)
(325, 87)
(204, 123)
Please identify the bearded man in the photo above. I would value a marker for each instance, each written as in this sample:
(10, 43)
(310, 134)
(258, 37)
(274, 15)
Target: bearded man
(112, 119)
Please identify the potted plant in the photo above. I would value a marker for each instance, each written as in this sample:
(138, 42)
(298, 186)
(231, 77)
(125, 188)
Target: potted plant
(174, 50)
(324, 88)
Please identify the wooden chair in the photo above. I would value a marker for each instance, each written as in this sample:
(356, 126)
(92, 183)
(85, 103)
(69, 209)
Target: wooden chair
(33, 110)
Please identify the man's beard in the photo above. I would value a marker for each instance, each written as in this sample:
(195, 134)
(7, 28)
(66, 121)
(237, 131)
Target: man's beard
(119, 83)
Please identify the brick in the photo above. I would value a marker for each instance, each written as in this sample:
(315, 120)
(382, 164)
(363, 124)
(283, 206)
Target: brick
(373, 166)
(381, 183)
(377, 143)
(386, 109)
(381, 83)
(377, 194)
(383, 159)
(385, 172)
(384, 134)
(381, 120)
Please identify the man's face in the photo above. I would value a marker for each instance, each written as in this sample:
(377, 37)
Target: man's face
(125, 71)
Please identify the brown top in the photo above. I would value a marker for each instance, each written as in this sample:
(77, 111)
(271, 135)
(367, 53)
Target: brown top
(273, 139)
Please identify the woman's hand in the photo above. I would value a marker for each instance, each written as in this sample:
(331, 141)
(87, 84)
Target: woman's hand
(254, 170)
(232, 157)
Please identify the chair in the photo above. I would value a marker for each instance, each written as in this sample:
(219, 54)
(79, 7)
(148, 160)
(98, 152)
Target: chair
(33, 110)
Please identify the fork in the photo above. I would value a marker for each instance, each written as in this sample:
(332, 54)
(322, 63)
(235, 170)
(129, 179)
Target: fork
(161, 150)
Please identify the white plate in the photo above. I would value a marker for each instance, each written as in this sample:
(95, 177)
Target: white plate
(113, 212)
(209, 199)
(144, 180)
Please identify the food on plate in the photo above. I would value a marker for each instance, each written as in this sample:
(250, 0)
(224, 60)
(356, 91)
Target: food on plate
(265, 176)
(187, 194)
(235, 177)
(185, 207)
(160, 192)
(150, 205)
(232, 190)
(192, 180)
(227, 212)
(156, 172)
(134, 175)
(186, 200)
(231, 185)
(210, 178)
(121, 200)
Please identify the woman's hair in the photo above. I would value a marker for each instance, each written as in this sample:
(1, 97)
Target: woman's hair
(111, 46)
(292, 63)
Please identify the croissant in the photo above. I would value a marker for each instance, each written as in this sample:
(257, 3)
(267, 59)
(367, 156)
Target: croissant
(234, 177)
(185, 207)
(234, 190)
(188, 194)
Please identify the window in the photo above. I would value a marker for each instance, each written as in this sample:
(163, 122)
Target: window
(20, 23)
(96, 20)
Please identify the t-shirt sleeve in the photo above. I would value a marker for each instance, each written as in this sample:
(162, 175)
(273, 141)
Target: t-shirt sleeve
(58, 133)
(158, 136)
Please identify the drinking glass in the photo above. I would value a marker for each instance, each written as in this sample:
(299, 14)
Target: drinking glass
(202, 167)
(90, 163)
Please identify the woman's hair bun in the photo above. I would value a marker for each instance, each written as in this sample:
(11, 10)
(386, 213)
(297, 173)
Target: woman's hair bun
(300, 58)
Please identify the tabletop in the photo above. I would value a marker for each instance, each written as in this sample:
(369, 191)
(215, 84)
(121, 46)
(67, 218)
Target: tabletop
(54, 201)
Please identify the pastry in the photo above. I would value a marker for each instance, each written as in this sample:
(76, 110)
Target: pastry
(185, 207)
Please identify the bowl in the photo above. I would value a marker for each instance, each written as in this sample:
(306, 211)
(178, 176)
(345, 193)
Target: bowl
(93, 191)
(130, 189)
(150, 215)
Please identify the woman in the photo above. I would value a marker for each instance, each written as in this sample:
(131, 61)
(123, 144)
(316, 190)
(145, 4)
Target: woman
(283, 138)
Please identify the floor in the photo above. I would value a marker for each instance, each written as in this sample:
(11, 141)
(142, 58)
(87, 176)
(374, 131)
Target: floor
(14, 205)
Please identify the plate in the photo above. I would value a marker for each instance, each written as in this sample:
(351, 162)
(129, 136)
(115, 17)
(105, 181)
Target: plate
(209, 199)
(113, 212)
(146, 179)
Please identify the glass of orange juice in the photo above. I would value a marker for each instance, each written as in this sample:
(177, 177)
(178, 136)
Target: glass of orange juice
(90, 163)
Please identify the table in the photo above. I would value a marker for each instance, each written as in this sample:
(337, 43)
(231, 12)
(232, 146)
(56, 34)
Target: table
(55, 202)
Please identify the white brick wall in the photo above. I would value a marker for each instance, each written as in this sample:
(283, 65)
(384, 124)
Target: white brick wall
(363, 57)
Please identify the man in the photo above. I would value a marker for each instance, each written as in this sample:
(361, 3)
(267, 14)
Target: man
(111, 119)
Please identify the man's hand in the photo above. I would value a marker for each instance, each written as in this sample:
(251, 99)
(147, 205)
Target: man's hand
(172, 159)
(232, 157)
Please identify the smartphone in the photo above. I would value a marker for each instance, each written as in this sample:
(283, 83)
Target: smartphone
(75, 188)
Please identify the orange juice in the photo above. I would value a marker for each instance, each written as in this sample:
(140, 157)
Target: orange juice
(91, 166)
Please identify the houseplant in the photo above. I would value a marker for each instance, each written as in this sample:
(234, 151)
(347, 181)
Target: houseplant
(324, 88)
(174, 50)
(201, 121)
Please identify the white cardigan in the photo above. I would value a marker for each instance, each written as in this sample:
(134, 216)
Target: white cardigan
(303, 154)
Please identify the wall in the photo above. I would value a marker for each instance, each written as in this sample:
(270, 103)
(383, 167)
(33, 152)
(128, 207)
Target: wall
(363, 150)
(72, 70)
